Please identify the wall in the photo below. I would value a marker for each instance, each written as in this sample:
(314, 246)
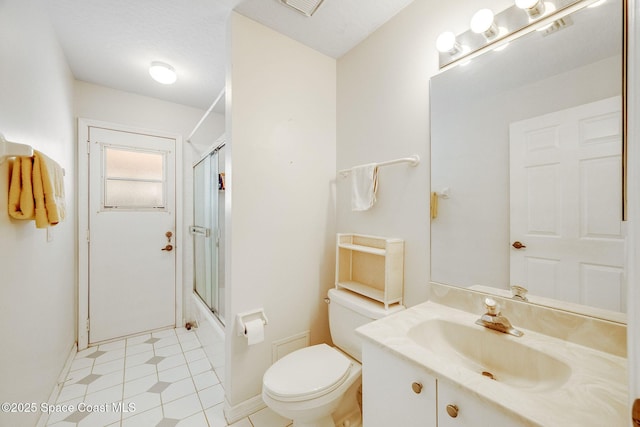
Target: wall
(383, 114)
(280, 201)
(37, 279)
(110, 105)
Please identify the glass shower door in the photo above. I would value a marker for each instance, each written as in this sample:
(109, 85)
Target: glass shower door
(208, 211)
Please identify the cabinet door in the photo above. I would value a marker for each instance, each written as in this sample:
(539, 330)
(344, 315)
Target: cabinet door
(388, 395)
(471, 411)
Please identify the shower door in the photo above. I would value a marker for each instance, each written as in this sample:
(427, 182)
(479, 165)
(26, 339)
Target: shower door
(208, 230)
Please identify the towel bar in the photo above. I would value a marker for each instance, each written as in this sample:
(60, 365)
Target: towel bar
(13, 149)
(412, 160)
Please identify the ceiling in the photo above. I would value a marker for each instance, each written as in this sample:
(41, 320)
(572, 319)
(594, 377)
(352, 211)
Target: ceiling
(112, 42)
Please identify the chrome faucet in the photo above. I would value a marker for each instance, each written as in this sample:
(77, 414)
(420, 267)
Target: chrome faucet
(492, 319)
(519, 292)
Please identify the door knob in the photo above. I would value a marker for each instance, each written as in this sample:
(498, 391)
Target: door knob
(168, 248)
(518, 245)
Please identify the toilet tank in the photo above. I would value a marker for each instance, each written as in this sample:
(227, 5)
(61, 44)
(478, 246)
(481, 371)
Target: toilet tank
(348, 311)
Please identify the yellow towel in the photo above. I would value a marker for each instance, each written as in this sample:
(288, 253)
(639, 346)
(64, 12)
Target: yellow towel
(434, 205)
(48, 191)
(21, 204)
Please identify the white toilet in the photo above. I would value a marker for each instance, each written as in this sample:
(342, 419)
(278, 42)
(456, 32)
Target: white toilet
(318, 386)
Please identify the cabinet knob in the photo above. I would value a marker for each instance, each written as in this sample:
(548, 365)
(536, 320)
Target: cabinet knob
(416, 387)
(452, 410)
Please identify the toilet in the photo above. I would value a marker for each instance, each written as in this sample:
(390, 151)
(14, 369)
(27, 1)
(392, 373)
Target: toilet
(318, 386)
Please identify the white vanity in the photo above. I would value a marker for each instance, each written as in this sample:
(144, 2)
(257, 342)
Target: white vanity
(431, 365)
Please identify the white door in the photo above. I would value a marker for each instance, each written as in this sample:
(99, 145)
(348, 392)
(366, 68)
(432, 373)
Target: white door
(566, 205)
(132, 263)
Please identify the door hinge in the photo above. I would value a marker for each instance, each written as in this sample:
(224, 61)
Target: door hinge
(88, 147)
(87, 324)
(88, 236)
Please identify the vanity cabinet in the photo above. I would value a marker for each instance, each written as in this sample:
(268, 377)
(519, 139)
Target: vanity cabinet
(397, 392)
(371, 266)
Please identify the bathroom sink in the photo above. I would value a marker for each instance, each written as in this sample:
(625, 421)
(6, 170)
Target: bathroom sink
(494, 355)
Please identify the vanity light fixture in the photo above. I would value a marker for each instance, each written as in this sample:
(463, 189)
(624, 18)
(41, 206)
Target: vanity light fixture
(534, 8)
(483, 22)
(549, 8)
(446, 43)
(498, 29)
(162, 73)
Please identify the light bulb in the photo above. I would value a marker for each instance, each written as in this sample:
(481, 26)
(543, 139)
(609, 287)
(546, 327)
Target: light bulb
(526, 4)
(446, 43)
(534, 8)
(482, 22)
(162, 73)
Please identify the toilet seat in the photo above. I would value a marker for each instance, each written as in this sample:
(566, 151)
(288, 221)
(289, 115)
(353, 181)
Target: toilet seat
(306, 374)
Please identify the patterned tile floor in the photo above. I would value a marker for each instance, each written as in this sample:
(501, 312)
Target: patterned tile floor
(162, 379)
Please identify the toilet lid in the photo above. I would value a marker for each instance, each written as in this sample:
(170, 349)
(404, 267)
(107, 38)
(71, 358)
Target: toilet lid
(306, 373)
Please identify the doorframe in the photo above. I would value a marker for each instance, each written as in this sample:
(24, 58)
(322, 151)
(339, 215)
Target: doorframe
(83, 219)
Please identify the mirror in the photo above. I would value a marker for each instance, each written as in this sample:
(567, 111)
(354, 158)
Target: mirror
(526, 146)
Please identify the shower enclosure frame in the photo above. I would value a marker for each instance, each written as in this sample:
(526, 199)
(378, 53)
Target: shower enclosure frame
(208, 230)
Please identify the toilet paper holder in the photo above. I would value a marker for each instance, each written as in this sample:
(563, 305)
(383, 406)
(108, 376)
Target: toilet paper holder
(242, 318)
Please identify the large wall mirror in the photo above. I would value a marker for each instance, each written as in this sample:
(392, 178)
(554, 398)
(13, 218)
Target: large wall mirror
(527, 155)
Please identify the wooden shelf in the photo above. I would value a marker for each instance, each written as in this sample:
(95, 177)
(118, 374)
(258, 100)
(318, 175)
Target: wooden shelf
(367, 291)
(360, 248)
(371, 266)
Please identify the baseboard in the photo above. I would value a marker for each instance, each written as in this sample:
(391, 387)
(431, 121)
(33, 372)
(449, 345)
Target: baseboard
(44, 417)
(242, 410)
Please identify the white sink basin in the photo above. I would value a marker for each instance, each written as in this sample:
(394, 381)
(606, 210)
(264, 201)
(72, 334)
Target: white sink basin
(497, 356)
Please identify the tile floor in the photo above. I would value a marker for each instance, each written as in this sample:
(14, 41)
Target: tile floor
(162, 379)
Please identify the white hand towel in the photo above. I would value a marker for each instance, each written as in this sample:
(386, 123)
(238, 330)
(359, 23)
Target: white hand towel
(364, 184)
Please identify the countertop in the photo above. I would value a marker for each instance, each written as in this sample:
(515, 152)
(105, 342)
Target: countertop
(595, 394)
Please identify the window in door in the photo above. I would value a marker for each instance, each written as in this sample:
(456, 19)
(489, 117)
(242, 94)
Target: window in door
(133, 179)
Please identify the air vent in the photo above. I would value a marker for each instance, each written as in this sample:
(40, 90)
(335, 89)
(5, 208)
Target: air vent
(306, 7)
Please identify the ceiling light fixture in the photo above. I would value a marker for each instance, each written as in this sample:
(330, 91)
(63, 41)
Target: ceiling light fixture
(162, 73)
(534, 8)
(483, 22)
